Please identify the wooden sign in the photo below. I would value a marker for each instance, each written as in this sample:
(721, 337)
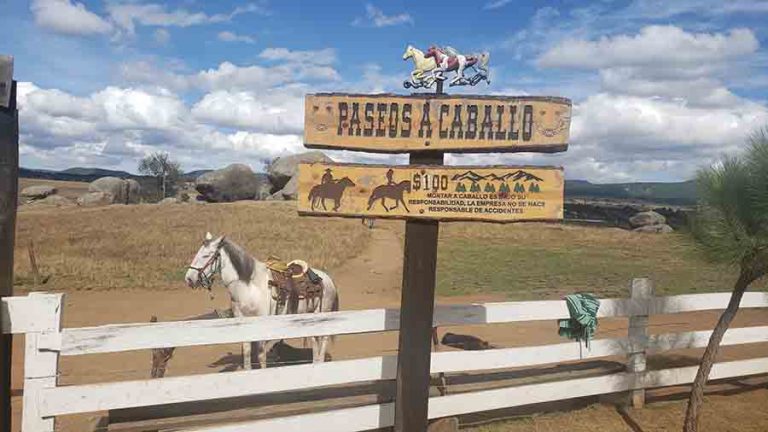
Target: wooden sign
(489, 193)
(6, 80)
(388, 123)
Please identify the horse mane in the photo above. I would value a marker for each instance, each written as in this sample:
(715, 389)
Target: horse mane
(243, 262)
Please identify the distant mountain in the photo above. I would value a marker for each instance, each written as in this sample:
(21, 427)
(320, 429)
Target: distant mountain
(96, 172)
(678, 193)
(193, 175)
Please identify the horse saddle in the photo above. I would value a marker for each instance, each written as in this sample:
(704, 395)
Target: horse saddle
(293, 281)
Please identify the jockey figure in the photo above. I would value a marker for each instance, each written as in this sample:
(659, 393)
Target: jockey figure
(390, 173)
(327, 177)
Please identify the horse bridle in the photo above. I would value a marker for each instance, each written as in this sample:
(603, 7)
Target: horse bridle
(214, 262)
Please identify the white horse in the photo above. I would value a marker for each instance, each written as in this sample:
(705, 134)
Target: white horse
(422, 65)
(247, 281)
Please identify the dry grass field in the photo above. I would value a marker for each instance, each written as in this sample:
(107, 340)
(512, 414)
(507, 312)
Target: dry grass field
(68, 189)
(149, 246)
(534, 261)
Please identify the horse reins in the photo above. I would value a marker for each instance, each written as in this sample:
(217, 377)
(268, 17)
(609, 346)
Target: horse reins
(214, 262)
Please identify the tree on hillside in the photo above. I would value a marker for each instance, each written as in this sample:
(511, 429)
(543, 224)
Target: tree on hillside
(731, 225)
(160, 165)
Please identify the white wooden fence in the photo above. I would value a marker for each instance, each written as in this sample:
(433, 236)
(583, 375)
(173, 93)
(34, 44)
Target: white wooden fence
(39, 317)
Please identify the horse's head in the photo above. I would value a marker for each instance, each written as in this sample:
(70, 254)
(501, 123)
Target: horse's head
(205, 263)
(406, 185)
(431, 52)
(346, 182)
(408, 52)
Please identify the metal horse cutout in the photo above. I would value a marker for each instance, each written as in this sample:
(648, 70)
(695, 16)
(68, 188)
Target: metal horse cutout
(436, 62)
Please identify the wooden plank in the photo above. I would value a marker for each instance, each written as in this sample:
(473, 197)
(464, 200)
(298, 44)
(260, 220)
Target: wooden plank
(127, 337)
(495, 194)
(698, 302)
(362, 418)
(699, 339)
(30, 313)
(6, 80)
(9, 186)
(41, 371)
(387, 123)
(132, 394)
(380, 416)
(641, 292)
(416, 317)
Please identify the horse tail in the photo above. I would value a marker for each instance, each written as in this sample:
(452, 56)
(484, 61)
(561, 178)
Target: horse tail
(312, 193)
(372, 199)
(485, 58)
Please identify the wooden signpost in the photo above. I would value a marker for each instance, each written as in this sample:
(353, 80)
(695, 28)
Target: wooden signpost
(9, 177)
(389, 123)
(501, 194)
(425, 192)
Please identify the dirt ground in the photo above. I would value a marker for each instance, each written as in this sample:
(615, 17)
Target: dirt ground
(372, 280)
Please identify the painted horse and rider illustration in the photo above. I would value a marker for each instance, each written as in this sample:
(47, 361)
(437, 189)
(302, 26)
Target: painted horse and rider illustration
(391, 190)
(432, 65)
(329, 188)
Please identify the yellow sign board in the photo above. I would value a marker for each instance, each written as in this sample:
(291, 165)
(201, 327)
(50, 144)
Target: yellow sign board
(489, 193)
(388, 123)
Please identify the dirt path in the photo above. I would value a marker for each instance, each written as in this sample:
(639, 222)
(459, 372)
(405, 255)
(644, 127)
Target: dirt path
(370, 280)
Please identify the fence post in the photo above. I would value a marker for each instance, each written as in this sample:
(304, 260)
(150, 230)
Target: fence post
(9, 186)
(41, 369)
(641, 292)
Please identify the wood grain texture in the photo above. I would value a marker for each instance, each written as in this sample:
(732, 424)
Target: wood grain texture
(416, 315)
(495, 194)
(131, 394)
(30, 314)
(127, 337)
(382, 415)
(389, 123)
(9, 183)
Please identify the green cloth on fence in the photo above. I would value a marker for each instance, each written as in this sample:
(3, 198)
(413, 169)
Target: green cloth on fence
(582, 324)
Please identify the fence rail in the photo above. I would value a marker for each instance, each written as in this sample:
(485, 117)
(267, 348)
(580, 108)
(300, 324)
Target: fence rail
(38, 315)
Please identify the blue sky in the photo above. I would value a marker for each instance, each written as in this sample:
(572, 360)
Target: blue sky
(660, 88)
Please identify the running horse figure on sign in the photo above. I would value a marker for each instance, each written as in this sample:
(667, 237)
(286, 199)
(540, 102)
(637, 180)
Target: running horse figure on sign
(422, 75)
(450, 60)
(248, 282)
(392, 191)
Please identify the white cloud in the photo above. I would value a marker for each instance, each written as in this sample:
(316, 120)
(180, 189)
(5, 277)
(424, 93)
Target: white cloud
(495, 4)
(325, 56)
(661, 110)
(653, 46)
(64, 16)
(115, 126)
(128, 15)
(230, 76)
(377, 18)
(228, 36)
(162, 36)
(278, 111)
(666, 9)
